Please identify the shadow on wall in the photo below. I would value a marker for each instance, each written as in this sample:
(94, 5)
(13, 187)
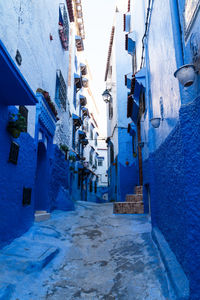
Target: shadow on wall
(59, 183)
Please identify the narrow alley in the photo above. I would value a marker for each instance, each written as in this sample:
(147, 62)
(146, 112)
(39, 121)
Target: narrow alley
(99, 256)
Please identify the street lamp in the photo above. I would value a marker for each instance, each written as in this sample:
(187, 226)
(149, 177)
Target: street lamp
(106, 96)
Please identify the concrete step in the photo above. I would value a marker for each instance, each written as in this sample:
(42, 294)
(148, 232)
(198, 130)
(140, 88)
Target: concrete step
(41, 215)
(138, 189)
(128, 208)
(134, 198)
(26, 257)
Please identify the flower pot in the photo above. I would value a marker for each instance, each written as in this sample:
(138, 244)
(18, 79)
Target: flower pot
(155, 122)
(186, 75)
(127, 163)
(14, 132)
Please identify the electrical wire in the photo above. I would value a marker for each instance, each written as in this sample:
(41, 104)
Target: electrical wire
(145, 33)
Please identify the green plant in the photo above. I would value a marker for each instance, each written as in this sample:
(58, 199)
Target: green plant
(112, 200)
(16, 124)
(64, 148)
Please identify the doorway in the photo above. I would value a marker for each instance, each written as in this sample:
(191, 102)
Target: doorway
(41, 182)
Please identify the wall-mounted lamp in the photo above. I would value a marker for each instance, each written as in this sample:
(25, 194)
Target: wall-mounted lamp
(155, 122)
(106, 96)
(185, 75)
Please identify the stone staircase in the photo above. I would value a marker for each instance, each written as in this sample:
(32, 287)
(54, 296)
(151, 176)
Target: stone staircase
(133, 205)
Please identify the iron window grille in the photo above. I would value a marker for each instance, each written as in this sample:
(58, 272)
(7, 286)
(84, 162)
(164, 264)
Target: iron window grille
(14, 152)
(61, 90)
(63, 27)
(24, 113)
(26, 196)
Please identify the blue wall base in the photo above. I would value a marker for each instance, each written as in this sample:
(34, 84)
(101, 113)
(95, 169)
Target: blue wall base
(174, 270)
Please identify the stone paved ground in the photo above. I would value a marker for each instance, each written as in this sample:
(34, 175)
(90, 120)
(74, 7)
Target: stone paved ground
(102, 256)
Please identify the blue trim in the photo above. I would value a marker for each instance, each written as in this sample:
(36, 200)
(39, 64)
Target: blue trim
(14, 88)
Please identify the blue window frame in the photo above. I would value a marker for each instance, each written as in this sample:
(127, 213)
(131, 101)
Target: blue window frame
(61, 90)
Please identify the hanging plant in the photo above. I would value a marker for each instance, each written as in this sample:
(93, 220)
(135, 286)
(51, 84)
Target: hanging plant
(49, 102)
(16, 125)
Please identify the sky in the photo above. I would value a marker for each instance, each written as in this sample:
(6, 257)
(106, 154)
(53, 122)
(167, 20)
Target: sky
(98, 18)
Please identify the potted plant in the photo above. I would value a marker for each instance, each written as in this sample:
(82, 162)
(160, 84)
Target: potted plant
(16, 125)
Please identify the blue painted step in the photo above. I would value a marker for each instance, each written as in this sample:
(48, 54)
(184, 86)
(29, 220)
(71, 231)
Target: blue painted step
(22, 256)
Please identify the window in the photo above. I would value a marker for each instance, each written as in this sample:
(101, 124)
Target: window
(111, 153)
(91, 156)
(95, 141)
(91, 133)
(91, 187)
(26, 196)
(110, 109)
(95, 187)
(61, 90)
(63, 27)
(100, 162)
(24, 113)
(74, 137)
(14, 152)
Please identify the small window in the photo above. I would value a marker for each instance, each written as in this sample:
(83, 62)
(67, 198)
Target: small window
(75, 91)
(91, 157)
(74, 137)
(111, 153)
(100, 162)
(24, 113)
(91, 186)
(14, 152)
(91, 133)
(26, 196)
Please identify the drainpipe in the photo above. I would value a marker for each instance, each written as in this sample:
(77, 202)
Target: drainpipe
(177, 34)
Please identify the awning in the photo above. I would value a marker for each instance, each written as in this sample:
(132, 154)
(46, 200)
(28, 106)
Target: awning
(132, 109)
(83, 100)
(82, 134)
(76, 120)
(140, 76)
(79, 43)
(131, 129)
(13, 87)
(128, 79)
(130, 39)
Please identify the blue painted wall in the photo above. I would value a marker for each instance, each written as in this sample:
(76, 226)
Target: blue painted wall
(171, 165)
(15, 218)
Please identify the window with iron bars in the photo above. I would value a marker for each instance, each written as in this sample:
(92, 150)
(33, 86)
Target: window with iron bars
(63, 27)
(61, 90)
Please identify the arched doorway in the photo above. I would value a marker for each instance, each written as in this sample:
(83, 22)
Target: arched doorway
(41, 182)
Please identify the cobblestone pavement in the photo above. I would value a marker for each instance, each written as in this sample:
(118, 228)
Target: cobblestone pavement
(101, 256)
